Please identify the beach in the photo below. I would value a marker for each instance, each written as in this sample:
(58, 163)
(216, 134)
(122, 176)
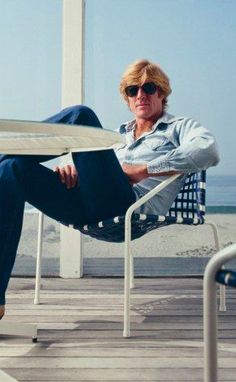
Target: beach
(176, 240)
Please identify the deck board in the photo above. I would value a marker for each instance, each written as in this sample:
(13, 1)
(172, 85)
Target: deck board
(80, 331)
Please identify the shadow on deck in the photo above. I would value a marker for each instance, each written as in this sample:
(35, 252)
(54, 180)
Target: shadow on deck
(80, 331)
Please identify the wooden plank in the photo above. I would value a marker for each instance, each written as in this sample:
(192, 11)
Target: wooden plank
(110, 362)
(72, 351)
(58, 374)
(80, 332)
(116, 334)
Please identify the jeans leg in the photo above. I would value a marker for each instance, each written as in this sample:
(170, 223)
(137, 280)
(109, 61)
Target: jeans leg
(22, 179)
(11, 215)
(76, 115)
(104, 188)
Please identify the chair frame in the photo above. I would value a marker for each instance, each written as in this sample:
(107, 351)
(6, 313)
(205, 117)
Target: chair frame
(210, 311)
(129, 264)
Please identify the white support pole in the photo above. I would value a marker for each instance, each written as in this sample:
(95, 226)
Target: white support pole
(72, 94)
(39, 259)
(72, 53)
(71, 259)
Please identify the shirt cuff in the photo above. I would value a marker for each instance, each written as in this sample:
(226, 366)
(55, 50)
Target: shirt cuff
(158, 166)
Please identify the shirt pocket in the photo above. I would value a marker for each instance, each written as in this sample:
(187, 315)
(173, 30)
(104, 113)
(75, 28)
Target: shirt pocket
(155, 143)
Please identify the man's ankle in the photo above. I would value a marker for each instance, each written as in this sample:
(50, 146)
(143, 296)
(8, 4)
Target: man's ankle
(2, 311)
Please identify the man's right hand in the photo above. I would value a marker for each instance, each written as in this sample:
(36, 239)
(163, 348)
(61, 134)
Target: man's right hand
(68, 175)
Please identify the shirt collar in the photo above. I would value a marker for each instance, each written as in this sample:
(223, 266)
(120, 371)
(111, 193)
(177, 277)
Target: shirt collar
(166, 118)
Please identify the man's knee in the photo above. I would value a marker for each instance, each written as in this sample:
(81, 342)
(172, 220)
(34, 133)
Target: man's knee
(81, 115)
(14, 165)
(76, 115)
(77, 109)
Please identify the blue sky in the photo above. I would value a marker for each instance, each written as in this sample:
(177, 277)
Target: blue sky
(193, 41)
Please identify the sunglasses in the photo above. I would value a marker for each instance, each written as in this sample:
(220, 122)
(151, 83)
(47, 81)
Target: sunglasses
(147, 88)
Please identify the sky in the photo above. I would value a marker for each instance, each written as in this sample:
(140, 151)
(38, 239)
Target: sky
(192, 40)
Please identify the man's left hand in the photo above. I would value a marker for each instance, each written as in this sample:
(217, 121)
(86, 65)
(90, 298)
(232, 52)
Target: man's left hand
(68, 175)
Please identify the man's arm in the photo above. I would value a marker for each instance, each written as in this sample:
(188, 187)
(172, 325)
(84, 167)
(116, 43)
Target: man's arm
(196, 150)
(135, 173)
(138, 172)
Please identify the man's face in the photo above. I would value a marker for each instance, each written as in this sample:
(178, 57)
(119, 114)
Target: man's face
(146, 106)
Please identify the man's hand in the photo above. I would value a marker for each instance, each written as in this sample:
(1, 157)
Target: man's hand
(68, 175)
(136, 172)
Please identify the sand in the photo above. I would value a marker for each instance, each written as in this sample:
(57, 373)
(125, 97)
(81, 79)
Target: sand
(176, 240)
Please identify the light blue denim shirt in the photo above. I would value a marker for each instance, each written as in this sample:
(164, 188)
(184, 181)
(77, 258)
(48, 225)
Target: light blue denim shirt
(173, 144)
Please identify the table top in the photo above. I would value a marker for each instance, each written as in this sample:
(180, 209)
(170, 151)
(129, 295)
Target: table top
(29, 137)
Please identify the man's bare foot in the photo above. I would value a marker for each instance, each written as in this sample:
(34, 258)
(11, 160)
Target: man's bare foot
(2, 311)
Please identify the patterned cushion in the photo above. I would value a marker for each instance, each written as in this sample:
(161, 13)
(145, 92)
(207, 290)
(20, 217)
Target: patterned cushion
(188, 208)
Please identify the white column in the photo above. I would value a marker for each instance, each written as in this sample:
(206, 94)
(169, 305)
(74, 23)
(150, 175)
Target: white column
(71, 260)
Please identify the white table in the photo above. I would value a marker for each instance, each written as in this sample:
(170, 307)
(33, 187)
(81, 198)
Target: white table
(25, 137)
(39, 138)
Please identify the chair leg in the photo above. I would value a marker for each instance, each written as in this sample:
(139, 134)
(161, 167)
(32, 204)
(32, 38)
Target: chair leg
(210, 326)
(222, 306)
(131, 270)
(126, 332)
(39, 259)
(127, 276)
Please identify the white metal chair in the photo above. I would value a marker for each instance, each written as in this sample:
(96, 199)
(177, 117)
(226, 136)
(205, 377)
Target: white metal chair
(214, 273)
(188, 208)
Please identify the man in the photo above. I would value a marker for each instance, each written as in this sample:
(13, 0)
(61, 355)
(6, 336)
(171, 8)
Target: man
(104, 184)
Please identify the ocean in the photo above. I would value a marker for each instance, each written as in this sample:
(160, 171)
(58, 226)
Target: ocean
(220, 194)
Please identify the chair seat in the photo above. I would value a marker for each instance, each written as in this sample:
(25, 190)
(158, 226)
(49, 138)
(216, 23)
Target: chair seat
(187, 208)
(226, 277)
(112, 230)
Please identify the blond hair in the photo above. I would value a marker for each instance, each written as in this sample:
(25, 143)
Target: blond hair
(145, 71)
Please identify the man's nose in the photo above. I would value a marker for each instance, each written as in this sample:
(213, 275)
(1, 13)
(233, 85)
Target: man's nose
(141, 93)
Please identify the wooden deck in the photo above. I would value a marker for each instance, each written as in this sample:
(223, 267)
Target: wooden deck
(80, 332)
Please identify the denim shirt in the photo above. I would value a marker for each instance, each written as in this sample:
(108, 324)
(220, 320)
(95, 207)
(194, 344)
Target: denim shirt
(173, 144)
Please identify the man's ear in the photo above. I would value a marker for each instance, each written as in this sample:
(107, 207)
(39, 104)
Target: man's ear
(160, 95)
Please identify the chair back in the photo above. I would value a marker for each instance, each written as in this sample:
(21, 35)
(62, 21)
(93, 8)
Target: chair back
(190, 204)
(188, 208)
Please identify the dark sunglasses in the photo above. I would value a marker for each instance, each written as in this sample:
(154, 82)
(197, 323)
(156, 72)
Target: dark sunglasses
(148, 88)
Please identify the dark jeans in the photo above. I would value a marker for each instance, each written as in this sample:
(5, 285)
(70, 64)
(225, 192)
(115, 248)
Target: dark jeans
(103, 191)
